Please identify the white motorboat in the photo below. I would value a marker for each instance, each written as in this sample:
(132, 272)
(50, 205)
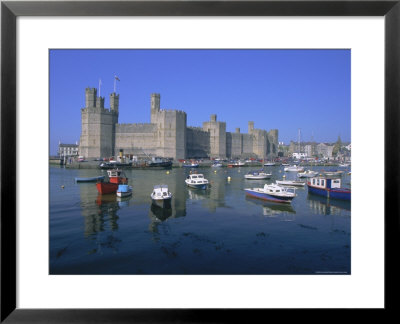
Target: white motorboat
(257, 175)
(161, 196)
(272, 192)
(307, 174)
(197, 181)
(294, 168)
(290, 183)
(216, 165)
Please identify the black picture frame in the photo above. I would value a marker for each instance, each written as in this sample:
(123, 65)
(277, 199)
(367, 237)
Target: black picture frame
(10, 10)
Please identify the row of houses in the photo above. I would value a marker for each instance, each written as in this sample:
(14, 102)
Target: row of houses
(311, 149)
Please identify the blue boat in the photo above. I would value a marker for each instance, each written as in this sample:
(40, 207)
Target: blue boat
(124, 190)
(92, 179)
(328, 187)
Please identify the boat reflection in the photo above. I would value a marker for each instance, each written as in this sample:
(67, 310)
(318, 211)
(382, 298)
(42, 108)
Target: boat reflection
(273, 209)
(160, 213)
(325, 206)
(197, 194)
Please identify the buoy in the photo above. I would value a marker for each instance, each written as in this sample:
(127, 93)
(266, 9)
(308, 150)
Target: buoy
(229, 178)
(284, 176)
(215, 171)
(62, 187)
(167, 172)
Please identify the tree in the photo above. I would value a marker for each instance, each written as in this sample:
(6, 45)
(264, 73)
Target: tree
(337, 147)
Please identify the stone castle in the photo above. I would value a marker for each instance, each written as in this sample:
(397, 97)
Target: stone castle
(167, 135)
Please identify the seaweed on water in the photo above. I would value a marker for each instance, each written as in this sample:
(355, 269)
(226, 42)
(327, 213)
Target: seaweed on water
(308, 227)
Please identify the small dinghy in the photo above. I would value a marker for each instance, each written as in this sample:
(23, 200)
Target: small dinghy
(290, 183)
(124, 190)
(307, 174)
(92, 179)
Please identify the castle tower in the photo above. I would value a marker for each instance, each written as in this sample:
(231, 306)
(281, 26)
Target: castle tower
(114, 102)
(100, 102)
(98, 127)
(273, 142)
(251, 127)
(90, 97)
(154, 107)
(217, 137)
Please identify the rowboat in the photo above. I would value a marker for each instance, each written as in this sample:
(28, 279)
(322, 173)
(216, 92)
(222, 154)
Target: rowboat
(290, 183)
(124, 190)
(307, 174)
(92, 179)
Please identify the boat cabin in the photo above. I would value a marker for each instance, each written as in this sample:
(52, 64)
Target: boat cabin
(196, 178)
(325, 183)
(117, 176)
(274, 189)
(160, 191)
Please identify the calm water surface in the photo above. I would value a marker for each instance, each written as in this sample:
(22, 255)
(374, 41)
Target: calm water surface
(217, 231)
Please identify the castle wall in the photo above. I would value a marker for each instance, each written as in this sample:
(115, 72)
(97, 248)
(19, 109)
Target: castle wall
(136, 139)
(197, 142)
(234, 145)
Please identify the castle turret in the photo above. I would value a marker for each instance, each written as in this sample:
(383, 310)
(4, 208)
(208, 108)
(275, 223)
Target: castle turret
(154, 107)
(100, 102)
(114, 102)
(90, 97)
(251, 126)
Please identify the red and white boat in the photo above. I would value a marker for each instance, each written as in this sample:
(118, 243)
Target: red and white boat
(115, 178)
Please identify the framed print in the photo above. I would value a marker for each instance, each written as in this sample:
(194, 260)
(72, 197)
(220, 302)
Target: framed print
(301, 94)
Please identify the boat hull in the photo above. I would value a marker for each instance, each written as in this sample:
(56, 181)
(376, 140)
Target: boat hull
(163, 203)
(106, 187)
(342, 194)
(160, 165)
(202, 186)
(265, 196)
(257, 177)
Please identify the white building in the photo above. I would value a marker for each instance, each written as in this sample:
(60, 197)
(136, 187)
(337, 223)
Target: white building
(299, 155)
(67, 150)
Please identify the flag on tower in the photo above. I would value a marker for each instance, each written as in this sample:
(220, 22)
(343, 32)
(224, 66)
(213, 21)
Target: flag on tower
(116, 78)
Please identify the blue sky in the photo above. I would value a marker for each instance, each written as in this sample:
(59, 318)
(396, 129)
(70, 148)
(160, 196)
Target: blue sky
(277, 89)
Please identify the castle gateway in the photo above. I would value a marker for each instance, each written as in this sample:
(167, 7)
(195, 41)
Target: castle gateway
(167, 134)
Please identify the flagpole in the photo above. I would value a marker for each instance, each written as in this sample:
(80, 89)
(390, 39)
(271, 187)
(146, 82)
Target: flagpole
(99, 87)
(115, 84)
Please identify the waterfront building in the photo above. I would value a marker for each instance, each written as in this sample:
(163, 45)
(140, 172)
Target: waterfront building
(67, 150)
(167, 135)
(325, 150)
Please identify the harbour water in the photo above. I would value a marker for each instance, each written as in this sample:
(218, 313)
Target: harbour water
(214, 231)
